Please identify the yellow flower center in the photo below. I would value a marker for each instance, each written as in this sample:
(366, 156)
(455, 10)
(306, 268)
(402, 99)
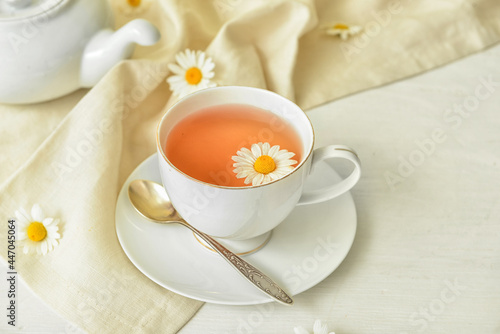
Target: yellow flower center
(193, 76)
(134, 3)
(36, 231)
(264, 164)
(341, 26)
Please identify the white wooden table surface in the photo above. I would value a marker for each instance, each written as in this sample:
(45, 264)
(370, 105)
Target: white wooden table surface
(426, 258)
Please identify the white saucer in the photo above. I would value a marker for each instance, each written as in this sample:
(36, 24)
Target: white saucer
(304, 249)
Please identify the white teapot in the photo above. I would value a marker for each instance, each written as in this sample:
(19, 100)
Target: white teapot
(49, 48)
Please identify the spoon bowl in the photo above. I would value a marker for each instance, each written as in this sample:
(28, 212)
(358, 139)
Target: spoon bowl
(151, 201)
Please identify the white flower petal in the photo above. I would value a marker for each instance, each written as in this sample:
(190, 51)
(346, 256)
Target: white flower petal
(320, 328)
(208, 66)
(176, 79)
(182, 59)
(47, 221)
(23, 218)
(201, 60)
(267, 178)
(250, 178)
(265, 148)
(283, 155)
(246, 161)
(176, 84)
(256, 150)
(272, 152)
(37, 213)
(280, 173)
(177, 69)
(21, 235)
(300, 330)
(241, 160)
(239, 167)
(243, 173)
(190, 58)
(52, 229)
(243, 169)
(206, 76)
(245, 152)
(208, 83)
(284, 163)
(257, 180)
(273, 176)
(201, 85)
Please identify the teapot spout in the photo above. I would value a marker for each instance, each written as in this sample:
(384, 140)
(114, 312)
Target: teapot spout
(107, 48)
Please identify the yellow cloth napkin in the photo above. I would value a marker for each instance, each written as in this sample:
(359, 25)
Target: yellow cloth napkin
(73, 154)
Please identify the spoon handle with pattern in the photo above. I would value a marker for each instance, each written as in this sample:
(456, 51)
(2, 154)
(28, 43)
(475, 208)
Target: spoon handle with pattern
(252, 274)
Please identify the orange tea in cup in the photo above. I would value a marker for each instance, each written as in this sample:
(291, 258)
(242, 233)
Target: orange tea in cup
(202, 144)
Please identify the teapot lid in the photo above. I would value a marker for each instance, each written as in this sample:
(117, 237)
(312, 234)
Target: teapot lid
(18, 9)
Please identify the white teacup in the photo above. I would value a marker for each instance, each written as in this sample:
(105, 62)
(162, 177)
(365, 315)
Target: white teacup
(247, 213)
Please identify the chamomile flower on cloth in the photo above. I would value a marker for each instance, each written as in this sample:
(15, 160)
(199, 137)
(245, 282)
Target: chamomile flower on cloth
(132, 7)
(343, 30)
(193, 71)
(318, 328)
(35, 231)
(262, 163)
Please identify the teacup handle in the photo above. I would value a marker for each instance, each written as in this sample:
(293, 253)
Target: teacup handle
(324, 194)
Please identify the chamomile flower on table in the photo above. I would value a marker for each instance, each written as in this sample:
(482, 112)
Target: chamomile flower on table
(343, 30)
(35, 231)
(132, 7)
(193, 71)
(262, 163)
(318, 328)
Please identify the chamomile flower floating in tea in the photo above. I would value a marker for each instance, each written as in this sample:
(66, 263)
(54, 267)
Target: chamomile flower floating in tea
(132, 7)
(343, 30)
(193, 71)
(262, 164)
(37, 232)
